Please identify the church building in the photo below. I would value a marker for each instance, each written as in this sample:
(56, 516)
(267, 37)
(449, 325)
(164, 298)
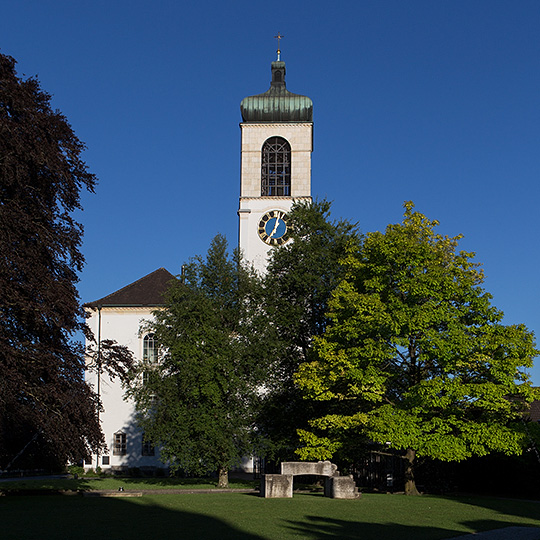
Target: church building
(276, 146)
(277, 141)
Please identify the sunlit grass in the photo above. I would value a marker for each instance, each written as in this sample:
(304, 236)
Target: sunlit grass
(107, 483)
(248, 517)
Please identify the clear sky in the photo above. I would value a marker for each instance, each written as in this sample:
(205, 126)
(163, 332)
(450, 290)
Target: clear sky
(432, 101)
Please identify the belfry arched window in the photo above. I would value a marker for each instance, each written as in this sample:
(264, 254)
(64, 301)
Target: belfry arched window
(276, 168)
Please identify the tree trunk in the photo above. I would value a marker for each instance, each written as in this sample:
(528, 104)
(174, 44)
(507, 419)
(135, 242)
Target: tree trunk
(410, 484)
(223, 478)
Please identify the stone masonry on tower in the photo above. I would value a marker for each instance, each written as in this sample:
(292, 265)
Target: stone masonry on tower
(277, 141)
(277, 132)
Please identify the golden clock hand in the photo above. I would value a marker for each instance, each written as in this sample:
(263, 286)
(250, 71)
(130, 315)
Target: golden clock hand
(276, 225)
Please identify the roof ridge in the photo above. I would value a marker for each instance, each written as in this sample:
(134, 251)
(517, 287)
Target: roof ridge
(133, 286)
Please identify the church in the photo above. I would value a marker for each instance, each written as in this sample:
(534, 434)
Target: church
(276, 147)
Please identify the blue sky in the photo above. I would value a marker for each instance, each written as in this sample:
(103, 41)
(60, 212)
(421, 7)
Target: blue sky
(432, 101)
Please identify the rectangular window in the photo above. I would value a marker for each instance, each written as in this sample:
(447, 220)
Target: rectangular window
(119, 444)
(105, 460)
(147, 448)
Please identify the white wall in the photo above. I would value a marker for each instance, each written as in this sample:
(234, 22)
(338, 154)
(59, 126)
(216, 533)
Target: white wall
(125, 326)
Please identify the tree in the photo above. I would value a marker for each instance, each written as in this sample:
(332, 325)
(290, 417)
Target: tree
(298, 284)
(198, 403)
(43, 396)
(416, 357)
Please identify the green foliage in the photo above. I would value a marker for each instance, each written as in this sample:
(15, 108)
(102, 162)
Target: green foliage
(416, 356)
(75, 469)
(198, 403)
(300, 279)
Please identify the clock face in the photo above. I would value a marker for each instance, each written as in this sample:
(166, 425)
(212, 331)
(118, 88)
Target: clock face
(273, 228)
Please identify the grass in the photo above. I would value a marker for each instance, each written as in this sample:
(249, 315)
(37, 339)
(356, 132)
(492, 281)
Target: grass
(248, 517)
(129, 484)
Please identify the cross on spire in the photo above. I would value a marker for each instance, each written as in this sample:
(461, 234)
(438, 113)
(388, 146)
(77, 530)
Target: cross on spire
(278, 37)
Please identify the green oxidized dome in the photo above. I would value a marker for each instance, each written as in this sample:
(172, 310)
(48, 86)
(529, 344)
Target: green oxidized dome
(277, 104)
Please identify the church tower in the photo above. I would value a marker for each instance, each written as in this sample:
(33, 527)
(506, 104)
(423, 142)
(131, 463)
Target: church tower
(277, 141)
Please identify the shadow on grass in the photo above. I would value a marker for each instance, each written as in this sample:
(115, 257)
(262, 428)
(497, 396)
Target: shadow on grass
(323, 528)
(517, 507)
(426, 518)
(527, 509)
(81, 518)
(247, 517)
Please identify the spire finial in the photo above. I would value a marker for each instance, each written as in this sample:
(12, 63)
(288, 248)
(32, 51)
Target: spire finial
(278, 37)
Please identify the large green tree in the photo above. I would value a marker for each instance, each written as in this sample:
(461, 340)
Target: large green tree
(199, 402)
(300, 278)
(43, 396)
(416, 357)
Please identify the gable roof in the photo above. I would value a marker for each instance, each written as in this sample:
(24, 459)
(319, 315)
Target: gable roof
(147, 291)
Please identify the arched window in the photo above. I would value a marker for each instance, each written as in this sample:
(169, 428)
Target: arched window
(150, 349)
(276, 168)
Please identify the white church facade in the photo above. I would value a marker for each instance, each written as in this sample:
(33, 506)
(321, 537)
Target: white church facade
(121, 317)
(276, 146)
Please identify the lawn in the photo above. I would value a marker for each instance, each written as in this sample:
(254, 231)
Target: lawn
(129, 484)
(241, 516)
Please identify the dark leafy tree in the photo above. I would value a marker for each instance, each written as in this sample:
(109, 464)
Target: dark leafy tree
(199, 402)
(298, 285)
(43, 397)
(416, 357)
(110, 358)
